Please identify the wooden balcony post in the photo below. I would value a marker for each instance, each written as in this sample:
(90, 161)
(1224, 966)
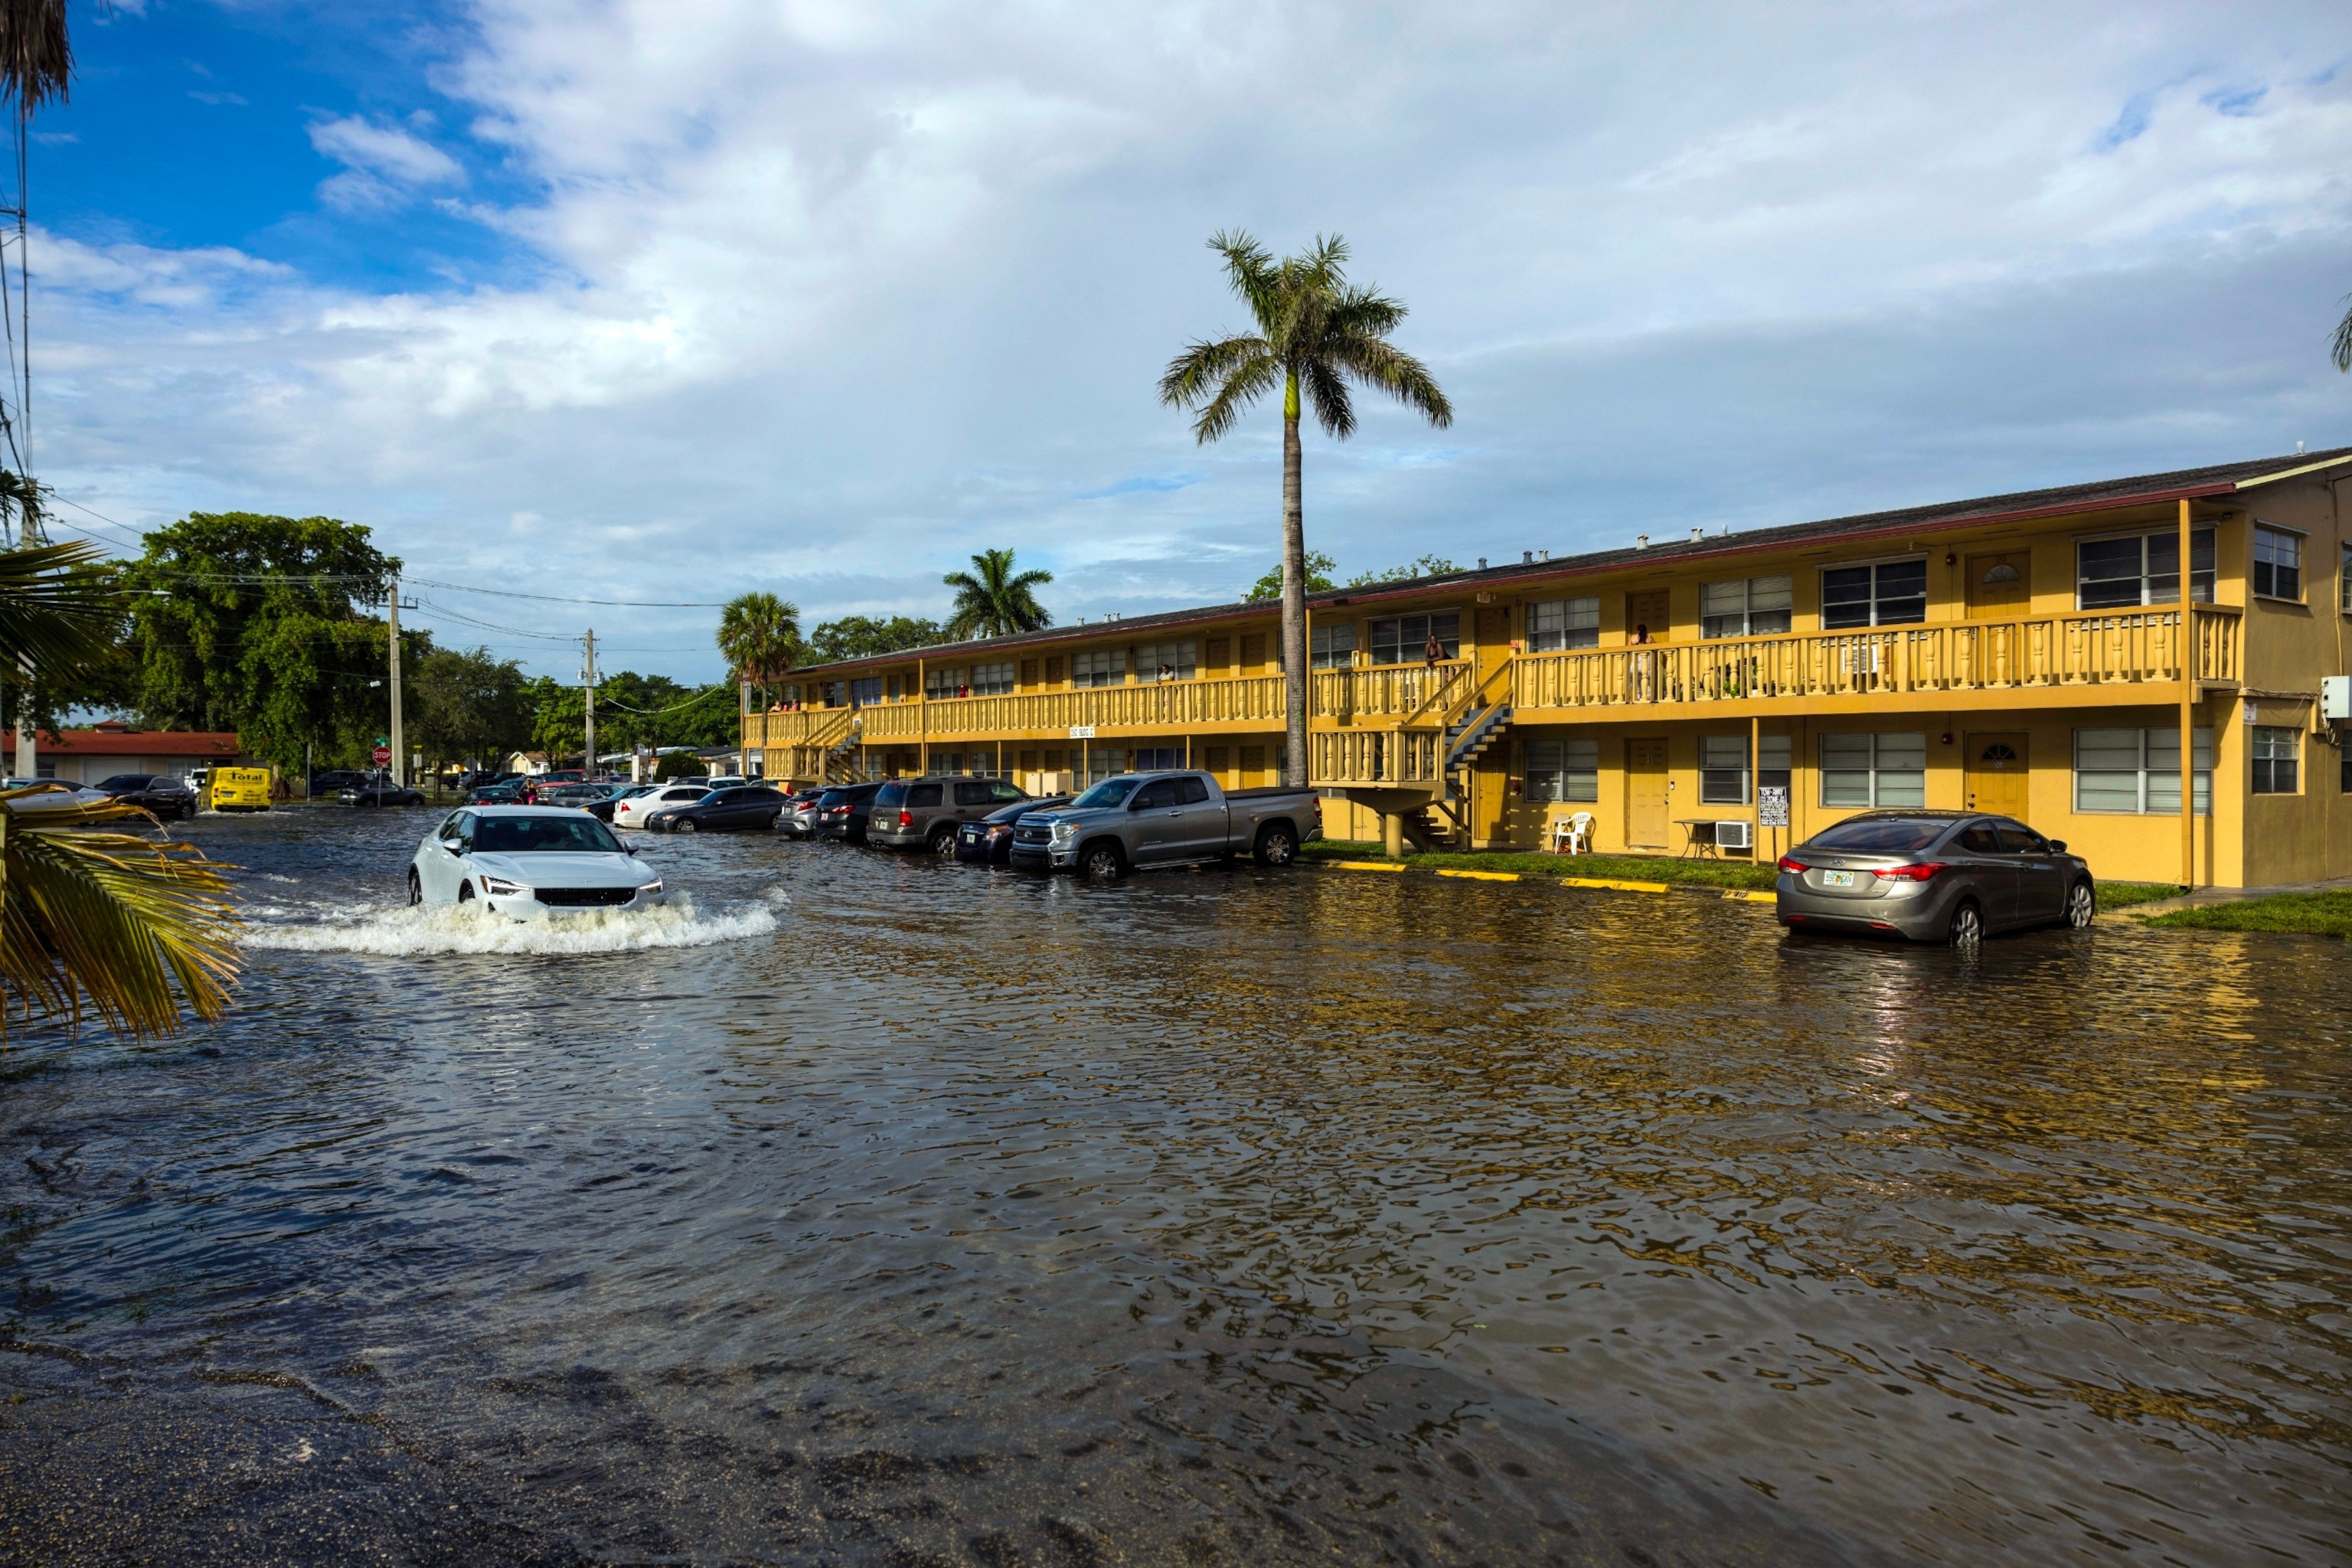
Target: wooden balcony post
(2188, 709)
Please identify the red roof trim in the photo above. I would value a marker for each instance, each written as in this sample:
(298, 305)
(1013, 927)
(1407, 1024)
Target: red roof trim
(113, 743)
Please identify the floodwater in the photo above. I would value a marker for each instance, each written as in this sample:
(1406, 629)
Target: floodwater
(874, 1210)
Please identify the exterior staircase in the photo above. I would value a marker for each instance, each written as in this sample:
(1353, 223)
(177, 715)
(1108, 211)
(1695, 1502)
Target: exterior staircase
(839, 763)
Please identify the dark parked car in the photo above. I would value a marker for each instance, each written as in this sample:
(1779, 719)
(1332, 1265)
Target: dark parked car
(989, 841)
(601, 810)
(1933, 875)
(745, 806)
(167, 796)
(841, 812)
(506, 792)
(380, 791)
(924, 813)
(329, 781)
(798, 819)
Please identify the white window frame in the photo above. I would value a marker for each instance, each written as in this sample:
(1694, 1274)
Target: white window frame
(2295, 536)
(940, 684)
(1331, 646)
(1183, 658)
(995, 680)
(1878, 776)
(1097, 666)
(1748, 614)
(2274, 743)
(2144, 535)
(1566, 770)
(1564, 626)
(2146, 770)
(1874, 564)
(1412, 655)
(1715, 775)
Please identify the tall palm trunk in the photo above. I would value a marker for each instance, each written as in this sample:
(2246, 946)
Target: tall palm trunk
(1294, 591)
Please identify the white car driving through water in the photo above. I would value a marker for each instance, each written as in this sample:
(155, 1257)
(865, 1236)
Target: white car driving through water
(527, 863)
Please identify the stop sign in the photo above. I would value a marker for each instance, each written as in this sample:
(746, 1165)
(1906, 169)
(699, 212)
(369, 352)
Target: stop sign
(382, 755)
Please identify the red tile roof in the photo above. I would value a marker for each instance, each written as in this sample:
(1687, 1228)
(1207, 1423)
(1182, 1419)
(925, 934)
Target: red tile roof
(112, 739)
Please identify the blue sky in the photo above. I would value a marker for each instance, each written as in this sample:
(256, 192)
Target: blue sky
(616, 298)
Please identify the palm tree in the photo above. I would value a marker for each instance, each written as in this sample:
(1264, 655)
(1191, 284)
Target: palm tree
(760, 636)
(2342, 348)
(1316, 334)
(110, 921)
(990, 602)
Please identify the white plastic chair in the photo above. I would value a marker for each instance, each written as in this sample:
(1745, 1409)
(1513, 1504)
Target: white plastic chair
(1574, 831)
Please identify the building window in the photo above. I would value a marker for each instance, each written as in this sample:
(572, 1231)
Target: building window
(1157, 759)
(1775, 761)
(1166, 662)
(835, 693)
(1331, 646)
(1401, 639)
(1103, 760)
(1723, 770)
(938, 683)
(991, 680)
(1557, 625)
(1564, 769)
(2139, 770)
(2142, 569)
(1102, 667)
(1756, 606)
(1874, 770)
(1886, 594)
(2274, 759)
(865, 692)
(2278, 563)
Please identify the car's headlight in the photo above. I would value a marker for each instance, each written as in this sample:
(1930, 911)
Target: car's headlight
(1065, 831)
(648, 888)
(499, 888)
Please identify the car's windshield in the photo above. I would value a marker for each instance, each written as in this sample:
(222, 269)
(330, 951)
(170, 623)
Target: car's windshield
(524, 835)
(1110, 791)
(1881, 835)
(125, 781)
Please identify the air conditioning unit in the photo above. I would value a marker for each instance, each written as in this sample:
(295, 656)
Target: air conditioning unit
(2335, 698)
(1734, 835)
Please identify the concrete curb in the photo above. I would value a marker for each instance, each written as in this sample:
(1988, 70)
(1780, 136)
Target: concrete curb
(1602, 884)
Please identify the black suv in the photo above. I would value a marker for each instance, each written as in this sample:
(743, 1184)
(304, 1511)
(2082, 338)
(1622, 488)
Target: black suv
(842, 812)
(167, 796)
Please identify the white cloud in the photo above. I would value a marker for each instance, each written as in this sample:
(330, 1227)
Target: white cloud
(833, 293)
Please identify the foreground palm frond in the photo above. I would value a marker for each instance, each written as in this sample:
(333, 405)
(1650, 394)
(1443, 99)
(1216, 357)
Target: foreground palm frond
(58, 608)
(128, 927)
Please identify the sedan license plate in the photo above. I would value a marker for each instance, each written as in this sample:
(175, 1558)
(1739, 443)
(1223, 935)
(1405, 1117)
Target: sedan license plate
(1837, 878)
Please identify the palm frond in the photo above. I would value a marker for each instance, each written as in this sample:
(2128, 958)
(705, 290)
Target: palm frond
(1244, 386)
(1363, 312)
(36, 53)
(2341, 349)
(56, 610)
(1335, 410)
(1378, 363)
(1194, 375)
(130, 928)
(1250, 268)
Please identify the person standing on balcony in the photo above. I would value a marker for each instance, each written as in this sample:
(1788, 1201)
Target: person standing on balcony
(1432, 651)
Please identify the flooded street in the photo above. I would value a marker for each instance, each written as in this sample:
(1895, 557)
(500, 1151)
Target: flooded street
(873, 1209)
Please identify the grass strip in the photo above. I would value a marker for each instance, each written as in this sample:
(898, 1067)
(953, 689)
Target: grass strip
(2325, 913)
(2123, 895)
(1635, 868)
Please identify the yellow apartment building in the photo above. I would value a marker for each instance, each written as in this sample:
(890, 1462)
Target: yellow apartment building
(1731, 692)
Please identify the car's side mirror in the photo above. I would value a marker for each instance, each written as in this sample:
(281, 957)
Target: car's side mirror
(455, 845)
(2057, 847)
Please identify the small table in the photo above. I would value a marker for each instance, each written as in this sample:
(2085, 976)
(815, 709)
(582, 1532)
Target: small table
(1698, 838)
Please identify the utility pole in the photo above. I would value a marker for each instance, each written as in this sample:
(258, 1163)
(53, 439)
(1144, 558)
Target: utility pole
(29, 534)
(588, 682)
(399, 751)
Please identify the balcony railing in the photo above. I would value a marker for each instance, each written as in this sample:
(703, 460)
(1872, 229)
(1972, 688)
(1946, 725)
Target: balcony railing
(1409, 691)
(2098, 648)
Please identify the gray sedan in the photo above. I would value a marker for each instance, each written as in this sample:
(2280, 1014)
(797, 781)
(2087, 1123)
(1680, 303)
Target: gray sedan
(1933, 875)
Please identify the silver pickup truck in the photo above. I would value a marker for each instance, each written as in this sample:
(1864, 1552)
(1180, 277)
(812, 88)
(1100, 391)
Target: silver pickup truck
(1136, 820)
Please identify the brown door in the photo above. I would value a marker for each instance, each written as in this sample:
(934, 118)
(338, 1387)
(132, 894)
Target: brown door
(1645, 794)
(1653, 610)
(1996, 774)
(1999, 585)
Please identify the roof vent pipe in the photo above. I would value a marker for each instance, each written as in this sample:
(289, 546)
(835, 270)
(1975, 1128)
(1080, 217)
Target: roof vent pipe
(1697, 533)
(1543, 555)
(1527, 557)
(1641, 542)
(1482, 563)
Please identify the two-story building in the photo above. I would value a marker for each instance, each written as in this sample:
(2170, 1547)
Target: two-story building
(2029, 654)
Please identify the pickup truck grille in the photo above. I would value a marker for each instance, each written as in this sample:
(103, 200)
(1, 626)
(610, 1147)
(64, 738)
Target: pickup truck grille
(583, 898)
(1023, 832)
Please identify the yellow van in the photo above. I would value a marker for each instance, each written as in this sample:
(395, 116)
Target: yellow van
(240, 789)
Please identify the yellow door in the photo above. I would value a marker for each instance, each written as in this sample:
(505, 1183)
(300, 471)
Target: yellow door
(1649, 617)
(1999, 585)
(1996, 774)
(1645, 794)
(1494, 639)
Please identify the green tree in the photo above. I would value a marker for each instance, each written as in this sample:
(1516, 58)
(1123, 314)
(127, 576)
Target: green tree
(254, 623)
(1427, 566)
(865, 637)
(992, 601)
(467, 707)
(1316, 334)
(124, 925)
(760, 637)
(1319, 568)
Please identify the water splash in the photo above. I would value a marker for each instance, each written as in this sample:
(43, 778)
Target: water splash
(425, 931)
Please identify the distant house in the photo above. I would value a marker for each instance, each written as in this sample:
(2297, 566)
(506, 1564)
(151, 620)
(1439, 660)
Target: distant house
(111, 747)
(529, 763)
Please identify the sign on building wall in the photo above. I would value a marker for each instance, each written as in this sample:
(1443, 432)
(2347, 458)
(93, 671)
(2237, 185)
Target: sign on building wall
(1772, 806)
